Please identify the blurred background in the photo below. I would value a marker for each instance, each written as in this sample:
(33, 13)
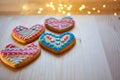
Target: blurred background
(60, 7)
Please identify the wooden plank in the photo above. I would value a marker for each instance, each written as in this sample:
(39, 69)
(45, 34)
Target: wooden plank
(85, 61)
(109, 28)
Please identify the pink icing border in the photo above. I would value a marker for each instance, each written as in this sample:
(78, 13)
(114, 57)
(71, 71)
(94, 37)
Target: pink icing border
(31, 49)
(25, 38)
(60, 21)
(63, 23)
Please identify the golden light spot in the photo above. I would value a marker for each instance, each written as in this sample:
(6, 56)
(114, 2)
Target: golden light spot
(24, 7)
(104, 6)
(68, 14)
(115, 14)
(60, 4)
(51, 3)
(98, 11)
(89, 12)
(52, 6)
(59, 10)
(39, 12)
(70, 5)
(54, 9)
(63, 12)
(61, 7)
(80, 9)
(65, 5)
(40, 9)
(93, 9)
(83, 6)
(47, 5)
(68, 8)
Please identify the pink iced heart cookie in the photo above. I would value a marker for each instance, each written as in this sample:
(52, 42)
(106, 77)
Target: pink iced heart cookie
(15, 57)
(26, 35)
(59, 26)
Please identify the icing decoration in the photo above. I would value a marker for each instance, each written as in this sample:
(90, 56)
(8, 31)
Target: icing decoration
(57, 43)
(60, 42)
(57, 39)
(64, 23)
(16, 60)
(24, 33)
(17, 55)
(52, 40)
(68, 17)
(10, 46)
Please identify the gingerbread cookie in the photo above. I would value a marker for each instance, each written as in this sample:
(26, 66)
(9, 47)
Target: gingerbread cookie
(15, 57)
(59, 26)
(25, 35)
(57, 44)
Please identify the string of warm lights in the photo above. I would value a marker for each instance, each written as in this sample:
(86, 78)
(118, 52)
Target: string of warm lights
(60, 8)
(68, 9)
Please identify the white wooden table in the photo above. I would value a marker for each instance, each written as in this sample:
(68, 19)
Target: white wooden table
(96, 55)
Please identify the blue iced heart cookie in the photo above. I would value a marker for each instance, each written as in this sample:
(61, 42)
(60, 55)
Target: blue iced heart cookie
(57, 43)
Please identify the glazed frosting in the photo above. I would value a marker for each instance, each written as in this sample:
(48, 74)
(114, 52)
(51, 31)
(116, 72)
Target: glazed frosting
(56, 42)
(60, 24)
(17, 55)
(25, 33)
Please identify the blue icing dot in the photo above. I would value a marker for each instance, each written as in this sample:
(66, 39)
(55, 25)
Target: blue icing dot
(63, 46)
(55, 48)
(57, 42)
(49, 33)
(52, 34)
(60, 48)
(66, 33)
(51, 45)
(72, 37)
(42, 41)
(56, 36)
(47, 43)
(46, 33)
(42, 36)
(69, 42)
(69, 17)
(66, 43)
(37, 28)
(57, 39)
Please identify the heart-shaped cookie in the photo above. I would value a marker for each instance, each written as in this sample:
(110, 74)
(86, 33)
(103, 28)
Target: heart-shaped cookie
(57, 44)
(26, 35)
(59, 26)
(15, 57)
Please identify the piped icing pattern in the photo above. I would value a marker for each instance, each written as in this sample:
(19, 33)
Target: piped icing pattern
(60, 24)
(56, 42)
(18, 55)
(25, 33)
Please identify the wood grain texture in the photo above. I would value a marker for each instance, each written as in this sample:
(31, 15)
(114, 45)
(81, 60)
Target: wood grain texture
(109, 28)
(94, 57)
